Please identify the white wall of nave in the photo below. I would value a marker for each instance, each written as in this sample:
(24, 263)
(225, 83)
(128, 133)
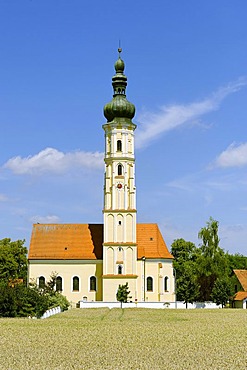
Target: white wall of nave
(67, 270)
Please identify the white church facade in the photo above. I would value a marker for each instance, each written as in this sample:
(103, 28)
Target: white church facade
(91, 260)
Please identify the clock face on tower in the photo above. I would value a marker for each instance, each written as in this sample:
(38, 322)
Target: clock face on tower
(119, 185)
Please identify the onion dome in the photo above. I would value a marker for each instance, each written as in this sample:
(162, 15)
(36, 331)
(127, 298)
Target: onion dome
(119, 107)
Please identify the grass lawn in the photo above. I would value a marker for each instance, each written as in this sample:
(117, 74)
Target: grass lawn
(126, 339)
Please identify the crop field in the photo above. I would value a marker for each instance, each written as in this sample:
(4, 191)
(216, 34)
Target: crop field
(126, 339)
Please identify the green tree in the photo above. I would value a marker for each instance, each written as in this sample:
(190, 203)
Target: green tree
(30, 301)
(185, 256)
(13, 260)
(210, 238)
(198, 268)
(21, 301)
(236, 261)
(222, 291)
(123, 293)
(187, 287)
(211, 262)
(8, 305)
(16, 299)
(183, 251)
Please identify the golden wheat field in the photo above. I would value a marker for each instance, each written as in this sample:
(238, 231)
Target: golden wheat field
(126, 339)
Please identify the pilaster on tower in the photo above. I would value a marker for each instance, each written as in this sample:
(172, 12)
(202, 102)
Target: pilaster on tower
(119, 184)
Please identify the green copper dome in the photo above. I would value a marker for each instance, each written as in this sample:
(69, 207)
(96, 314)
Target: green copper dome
(119, 65)
(119, 107)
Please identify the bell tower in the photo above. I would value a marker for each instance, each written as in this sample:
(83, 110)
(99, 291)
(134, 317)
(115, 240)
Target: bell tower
(119, 247)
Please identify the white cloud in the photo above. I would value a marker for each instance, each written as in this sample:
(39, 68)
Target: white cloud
(53, 161)
(234, 156)
(50, 219)
(152, 125)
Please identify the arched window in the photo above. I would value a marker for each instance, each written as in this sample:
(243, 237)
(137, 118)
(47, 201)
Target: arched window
(93, 283)
(120, 269)
(166, 284)
(119, 170)
(75, 283)
(41, 282)
(149, 284)
(59, 284)
(119, 145)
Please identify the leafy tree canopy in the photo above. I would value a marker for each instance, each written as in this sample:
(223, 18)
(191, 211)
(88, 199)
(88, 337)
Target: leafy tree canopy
(202, 273)
(187, 289)
(211, 263)
(236, 261)
(183, 250)
(21, 301)
(185, 255)
(210, 238)
(222, 290)
(13, 260)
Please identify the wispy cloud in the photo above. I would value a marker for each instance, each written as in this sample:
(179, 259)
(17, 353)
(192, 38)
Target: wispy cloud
(54, 161)
(3, 198)
(50, 219)
(204, 181)
(235, 232)
(234, 156)
(153, 124)
(243, 208)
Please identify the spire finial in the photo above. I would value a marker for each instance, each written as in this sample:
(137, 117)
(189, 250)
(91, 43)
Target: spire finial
(119, 49)
(119, 107)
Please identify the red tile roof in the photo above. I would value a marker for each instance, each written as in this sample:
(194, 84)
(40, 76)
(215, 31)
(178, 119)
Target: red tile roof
(242, 278)
(66, 241)
(150, 243)
(240, 296)
(84, 241)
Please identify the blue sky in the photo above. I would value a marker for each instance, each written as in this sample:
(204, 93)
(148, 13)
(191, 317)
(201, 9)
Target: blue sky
(186, 67)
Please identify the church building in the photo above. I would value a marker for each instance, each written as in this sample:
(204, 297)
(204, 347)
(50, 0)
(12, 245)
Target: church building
(91, 260)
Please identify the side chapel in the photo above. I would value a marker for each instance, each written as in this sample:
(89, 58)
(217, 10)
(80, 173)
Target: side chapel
(91, 260)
